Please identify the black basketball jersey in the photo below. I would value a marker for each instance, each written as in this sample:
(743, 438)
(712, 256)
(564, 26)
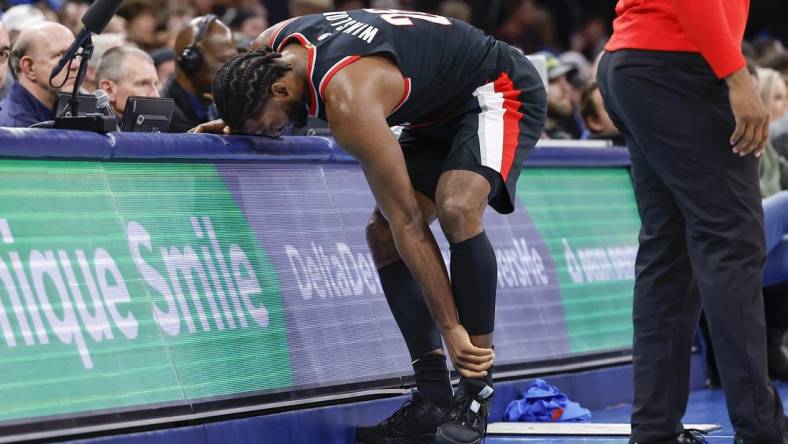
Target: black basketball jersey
(443, 60)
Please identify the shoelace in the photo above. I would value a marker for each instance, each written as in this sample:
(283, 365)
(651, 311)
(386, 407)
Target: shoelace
(695, 436)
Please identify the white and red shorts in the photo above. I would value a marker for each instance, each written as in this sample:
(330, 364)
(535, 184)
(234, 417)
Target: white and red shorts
(506, 119)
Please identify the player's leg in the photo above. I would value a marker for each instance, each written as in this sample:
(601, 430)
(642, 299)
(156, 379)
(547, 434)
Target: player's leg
(409, 308)
(462, 198)
(416, 421)
(488, 150)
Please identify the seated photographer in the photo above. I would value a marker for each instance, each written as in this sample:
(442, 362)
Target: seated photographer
(34, 54)
(125, 71)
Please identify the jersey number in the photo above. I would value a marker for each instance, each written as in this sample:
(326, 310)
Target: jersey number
(403, 18)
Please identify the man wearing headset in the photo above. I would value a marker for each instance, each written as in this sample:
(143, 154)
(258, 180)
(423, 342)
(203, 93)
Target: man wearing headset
(201, 47)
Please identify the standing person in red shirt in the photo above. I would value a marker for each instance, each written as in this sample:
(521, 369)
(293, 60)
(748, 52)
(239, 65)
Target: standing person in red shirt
(674, 82)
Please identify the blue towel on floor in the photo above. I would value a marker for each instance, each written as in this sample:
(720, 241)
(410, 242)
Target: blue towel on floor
(543, 402)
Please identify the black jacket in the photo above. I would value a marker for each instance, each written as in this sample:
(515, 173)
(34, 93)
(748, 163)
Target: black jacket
(184, 116)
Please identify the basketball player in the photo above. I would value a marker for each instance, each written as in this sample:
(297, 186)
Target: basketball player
(472, 108)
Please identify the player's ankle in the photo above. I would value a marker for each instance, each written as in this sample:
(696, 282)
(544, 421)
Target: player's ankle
(432, 379)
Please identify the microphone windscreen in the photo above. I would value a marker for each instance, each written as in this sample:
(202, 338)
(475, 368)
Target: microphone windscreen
(99, 14)
(102, 98)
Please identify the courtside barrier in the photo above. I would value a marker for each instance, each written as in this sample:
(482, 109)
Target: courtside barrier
(146, 277)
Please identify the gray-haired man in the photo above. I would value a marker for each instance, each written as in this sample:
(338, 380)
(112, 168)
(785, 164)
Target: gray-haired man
(125, 71)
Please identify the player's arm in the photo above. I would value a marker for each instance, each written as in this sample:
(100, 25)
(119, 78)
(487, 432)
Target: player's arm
(358, 99)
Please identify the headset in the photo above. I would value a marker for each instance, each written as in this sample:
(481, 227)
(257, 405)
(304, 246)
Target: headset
(190, 59)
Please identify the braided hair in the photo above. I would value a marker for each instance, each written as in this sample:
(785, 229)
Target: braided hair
(242, 86)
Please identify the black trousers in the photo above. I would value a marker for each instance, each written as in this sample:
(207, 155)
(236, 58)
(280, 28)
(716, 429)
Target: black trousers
(701, 242)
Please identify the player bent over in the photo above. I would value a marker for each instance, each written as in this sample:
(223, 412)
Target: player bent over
(472, 108)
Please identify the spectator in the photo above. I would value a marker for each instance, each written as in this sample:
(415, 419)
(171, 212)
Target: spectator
(101, 44)
(5, 53)
(772, 89)
(255, 6)
(596, 118)
(594, 66)
(773, 179)
(590, 37)
(177, 17)
(304, 7)
(527, 26)
(349, 5)
(773, 168)
(778, 130)
(766, 47)
(561, 122)
(142, 22)
(778, 62)
(385, 4)
(19, 18)
(457, 9)
(577, 77)
(246, 25)
(117, 25)
(203, 7)
(36, 51)
(123, 72)
(164, 61)
(191, 86)
(71, 14)
(517, 16)
(545, 30)
(748, 50)
(49, 9)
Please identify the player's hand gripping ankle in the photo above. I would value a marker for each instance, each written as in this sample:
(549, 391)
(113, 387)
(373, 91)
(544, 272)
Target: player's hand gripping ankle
(469, 360)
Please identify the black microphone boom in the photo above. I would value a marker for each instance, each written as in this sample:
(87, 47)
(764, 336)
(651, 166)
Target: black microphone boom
(99, 14)
(96, 18)
(83, 37)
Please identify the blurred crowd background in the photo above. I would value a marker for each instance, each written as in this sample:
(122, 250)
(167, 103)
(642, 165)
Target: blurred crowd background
(137, 53)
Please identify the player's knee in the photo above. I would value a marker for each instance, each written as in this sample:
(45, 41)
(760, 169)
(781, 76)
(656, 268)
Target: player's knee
(459, 216)
(378, 231)
(381, 241)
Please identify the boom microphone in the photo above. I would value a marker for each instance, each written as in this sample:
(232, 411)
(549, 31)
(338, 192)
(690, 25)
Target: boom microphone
(102, 103)
(95, 20)
(99, 14)
(103, 107)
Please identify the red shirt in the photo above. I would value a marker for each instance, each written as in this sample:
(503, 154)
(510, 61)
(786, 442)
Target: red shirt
(714, 28)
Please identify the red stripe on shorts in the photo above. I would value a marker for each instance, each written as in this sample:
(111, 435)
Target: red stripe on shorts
(511, 121)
